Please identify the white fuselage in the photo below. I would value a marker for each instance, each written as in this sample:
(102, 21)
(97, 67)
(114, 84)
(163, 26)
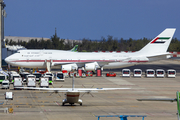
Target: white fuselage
(38, 58)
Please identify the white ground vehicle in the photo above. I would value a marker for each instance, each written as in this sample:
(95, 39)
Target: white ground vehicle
(31, 80)
(5, 84)
(23, 75)
(137, 73)
(2, 78)
(44, 82)
(126, 72)
(150, 73)
(60, 76)
(160, 73)
(38, 75)
(171, 73)
(13, 76)
(50, 79)
(9, 95)
(18, 82)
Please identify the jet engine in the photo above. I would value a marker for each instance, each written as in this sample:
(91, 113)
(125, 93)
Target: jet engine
(90, 66)
(69, 67)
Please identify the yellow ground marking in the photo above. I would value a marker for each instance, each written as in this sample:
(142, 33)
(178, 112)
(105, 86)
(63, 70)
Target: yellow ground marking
(120, 101)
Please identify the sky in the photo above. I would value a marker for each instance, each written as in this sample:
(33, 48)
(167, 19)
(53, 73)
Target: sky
(91, 19)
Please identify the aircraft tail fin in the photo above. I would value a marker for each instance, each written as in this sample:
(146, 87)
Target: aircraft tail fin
(178, 109)
(159, 44)
(74, 49)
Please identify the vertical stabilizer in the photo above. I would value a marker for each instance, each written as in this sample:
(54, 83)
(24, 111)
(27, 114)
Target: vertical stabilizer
(159, 44)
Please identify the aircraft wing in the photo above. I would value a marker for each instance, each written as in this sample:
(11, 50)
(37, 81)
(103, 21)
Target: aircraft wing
(159, 99)
(70, 89)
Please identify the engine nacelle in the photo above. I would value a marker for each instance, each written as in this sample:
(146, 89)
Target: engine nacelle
(69, 67)
(90, 66)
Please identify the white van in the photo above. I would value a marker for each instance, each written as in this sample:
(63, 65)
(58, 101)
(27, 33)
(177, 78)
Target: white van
(160, 73)
(137, 73)
(150, 73)
(126, 72)
(171, 73)
(5, 84)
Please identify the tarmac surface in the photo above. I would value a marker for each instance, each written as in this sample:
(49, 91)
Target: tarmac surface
(35, 104)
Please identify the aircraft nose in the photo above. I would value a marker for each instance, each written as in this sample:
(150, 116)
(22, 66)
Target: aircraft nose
(7, 60)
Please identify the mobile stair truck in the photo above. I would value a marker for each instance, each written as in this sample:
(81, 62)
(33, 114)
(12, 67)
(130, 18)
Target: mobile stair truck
(18, 82)
(44, 82)
(31, 80)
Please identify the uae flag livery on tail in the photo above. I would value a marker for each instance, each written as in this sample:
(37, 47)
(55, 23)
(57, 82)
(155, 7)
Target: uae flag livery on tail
(160, 40)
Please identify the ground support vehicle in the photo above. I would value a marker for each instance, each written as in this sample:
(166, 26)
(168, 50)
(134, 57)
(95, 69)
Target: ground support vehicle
(23, 75)
(160, 73)
(111, 74)
(137, 73)
(83, 75)
(171, 73)
(44, 82)
(18, 82)
(13, 76)
(31, 80)
(2, 78)
(89, 73)
(38, 75)
(50, 79)
(5, 84)
(126, 73)
(50, 76)
(60, 76)
(150, 73)
(9, 95)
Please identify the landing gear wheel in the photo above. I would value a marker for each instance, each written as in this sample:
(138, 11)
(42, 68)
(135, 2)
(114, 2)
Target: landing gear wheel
(81, 104)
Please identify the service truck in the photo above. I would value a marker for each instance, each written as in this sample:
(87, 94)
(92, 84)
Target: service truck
(44, 82)
(31, 80)
(18, 82)
(2, 77)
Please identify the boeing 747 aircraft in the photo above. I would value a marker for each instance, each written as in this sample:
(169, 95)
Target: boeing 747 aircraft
(67, 60)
